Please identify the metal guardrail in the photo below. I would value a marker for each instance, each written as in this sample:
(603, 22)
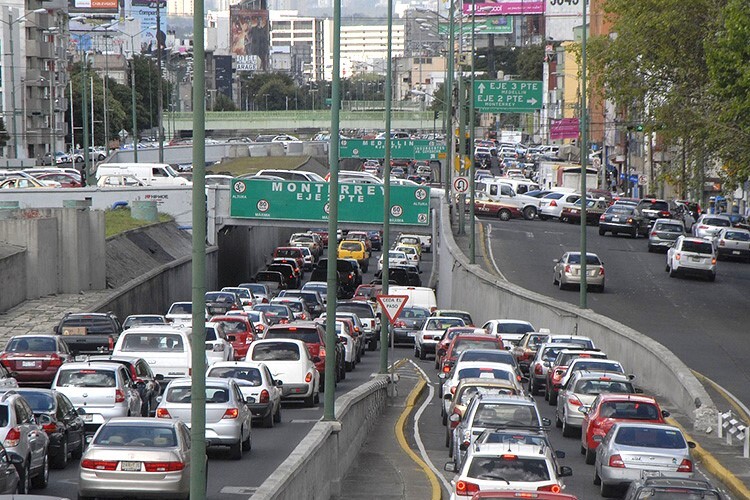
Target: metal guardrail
(732, 427)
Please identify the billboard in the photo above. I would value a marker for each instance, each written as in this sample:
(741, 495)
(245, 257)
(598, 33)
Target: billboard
(249, 38)
(504, 7)
(94, 6)
(145, 12)
(492, 25)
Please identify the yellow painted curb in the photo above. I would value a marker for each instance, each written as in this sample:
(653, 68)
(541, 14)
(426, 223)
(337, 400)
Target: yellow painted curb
(713, 466)
(401, 438)
(740, 411)
(490, 267)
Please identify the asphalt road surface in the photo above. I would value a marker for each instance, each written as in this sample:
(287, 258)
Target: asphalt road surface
(703, 323)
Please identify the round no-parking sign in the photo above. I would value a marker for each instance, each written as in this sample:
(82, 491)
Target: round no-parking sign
(461, 184)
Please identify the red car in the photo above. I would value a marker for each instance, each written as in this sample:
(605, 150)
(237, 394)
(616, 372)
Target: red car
(608, 409)
(484, 204)
(240, 333)
(290, 253)
(65, 180)
(538, 495)
(33, 360)
(476, 339)
(367, 292)
(446, 339)
(559, 367)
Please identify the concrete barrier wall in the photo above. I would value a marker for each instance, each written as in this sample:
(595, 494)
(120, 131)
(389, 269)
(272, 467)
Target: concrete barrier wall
(12, 270)
(245, 250)
(468, 287)
(317, 465)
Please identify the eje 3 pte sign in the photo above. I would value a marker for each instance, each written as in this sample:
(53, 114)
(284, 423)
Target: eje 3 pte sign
(402, 149)
(507, 96)
(308, 201)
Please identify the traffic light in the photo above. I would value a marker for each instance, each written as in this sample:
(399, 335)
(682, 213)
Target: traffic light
(436, 114)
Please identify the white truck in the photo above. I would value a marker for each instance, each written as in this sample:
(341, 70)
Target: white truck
(501, 188)
(565, 174)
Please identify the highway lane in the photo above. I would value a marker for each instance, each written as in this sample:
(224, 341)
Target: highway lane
(235, 479)
(705, 324)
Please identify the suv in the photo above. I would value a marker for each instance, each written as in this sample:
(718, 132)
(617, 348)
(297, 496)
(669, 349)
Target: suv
(492, 411)
(655, 209)
(664, 233)
(349, 274)
(692, 256)
(355, 249)
(540, 364)
(89, 333)
(708, 225)
(559, 367)
(22, 435)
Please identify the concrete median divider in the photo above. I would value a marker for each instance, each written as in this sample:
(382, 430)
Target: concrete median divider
(317, 465)
(468, 287)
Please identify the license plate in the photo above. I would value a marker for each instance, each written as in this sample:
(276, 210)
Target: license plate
(88, 417)
(615, 219)
(735, 252)
(695, 259)
(411, 334)
(32, 364)
(130, 466)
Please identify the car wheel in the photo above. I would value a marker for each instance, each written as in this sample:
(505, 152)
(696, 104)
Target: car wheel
(583, 450)
(602, 232)
(61, 460)
(504, 215)
(567, 431)
(268, 420)
(24, 478)
(316, 400)
(608, 490)
(552, 398)
(558, 422)
(590, 457)
(349, 366)
(310, 401)
(554, 279)
(422, 354)
(650, 249)
(543, 217)
(533, 389)
(41, 480)
(597, 479)
(247, 444)
(634, 234)
(712, 277)
(416, 351)
(560, 284)
(78, 452)
(322, 384)
(672, 272)
(235, 451)
(277, 415)
(373, 344)
(529, 213)
(146, 408)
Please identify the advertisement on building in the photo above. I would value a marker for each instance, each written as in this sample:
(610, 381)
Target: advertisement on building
(494, 25)
(144, 11)
(504, 7)
(249, 38)
(94, 6)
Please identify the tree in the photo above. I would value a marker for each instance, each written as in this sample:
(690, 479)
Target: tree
(223, 103)
(530, 63)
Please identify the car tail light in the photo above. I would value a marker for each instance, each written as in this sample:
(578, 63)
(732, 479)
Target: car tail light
(231, 413)
(55, 360)
(50, 428)
(453, 390)
(602, 218)
(99, 464)
(322, 352)
(653, 233)
(665, 213)
(162, 413)
(713, 261)
(676, 256)
(399, 324)
(163, 466)
(630, 220)
(119, 396)
(702, 227)
(573, 400)
(249, 338)
(538, 369)
(110, 343)
(601, 271)
(265, 397)
(308, 377)
(722, 243)
(283, 321)
(685, 466)
(304, 316)
(218, 348)
(553, 203)
(554, 488)
(567, 268)
(465, 488)
(616, 461)
(265, 300)
(12, 438)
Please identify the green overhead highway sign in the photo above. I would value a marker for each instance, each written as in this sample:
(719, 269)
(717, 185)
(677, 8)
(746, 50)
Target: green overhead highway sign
(308, 201)
(404, 149)
(507, 96)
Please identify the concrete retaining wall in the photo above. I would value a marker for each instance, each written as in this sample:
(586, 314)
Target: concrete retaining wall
(245, 250)
(317, 465)
(12, 271)
(468, 287)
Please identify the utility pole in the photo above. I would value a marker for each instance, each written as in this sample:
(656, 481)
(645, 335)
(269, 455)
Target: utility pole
(160, 97)
(472, 226)
(584, 146)
(449, 150)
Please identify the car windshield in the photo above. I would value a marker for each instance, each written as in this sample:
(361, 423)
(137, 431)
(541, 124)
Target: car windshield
(586, 343)
(668, 228)
(599, 366)
(466, 394)
(86, 378)
(442, 323)
(293, 305)
(536, 340)
(211, 334)
(396, 255)
(661, 206)
(550, 353)
(514, 328)
(484, 372)
(352, 246)
(152, 342)
(629, 409)
(307, 335)
(361, 310)
(276, 351)
(256, 288)
(513, 437)
(136, 435)
(132, 321)
(220, 297)
(462, 345)
(272, 310)
(414, 312)
(245, 376)
(603, 385)
(181, 308)
(287, 252)
(496, 414)
(31, 344)
(575, 258)
(697, 247)
(621, 209)
(498, 356)
(737, 236)
(716, 221)
(650, 437)
(233, 326)
(240, 292)
(509, 467)
(40, 402)
(183, 393)
(674, 493)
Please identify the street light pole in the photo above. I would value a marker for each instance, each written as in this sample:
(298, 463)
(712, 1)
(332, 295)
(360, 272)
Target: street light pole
(89, 180)
(472, 226)
(13, 82)
(450, 153)
(584, 158)
(160, 97)
(461, 126)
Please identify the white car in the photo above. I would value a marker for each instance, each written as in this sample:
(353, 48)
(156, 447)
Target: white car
(181, 313)
(476, 369)
(285, 139)
(426, 340)
(218, 348)
(289, 361)
(411, 253)
(245, 295)
(102, 389)
(255, 381)
(709, 225)
(509, 330)
(692, 256)
(167, 349)
(350, 346)
(552, 204)
(259, 291)
(395, 258)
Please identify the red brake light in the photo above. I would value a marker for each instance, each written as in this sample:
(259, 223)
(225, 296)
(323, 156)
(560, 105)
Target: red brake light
(231, 413)
(12, 438)
(446, 369)
(537, 369)
(567, 268)
(685, 466)
(163, 466)
(509, 456)
(601, 217)
(553, 203)
(574, 401)
(110, 343)
(119, 396)
(465, 488)
(653, 233)
(554, 488)
(162, 413)
(265, 397)
(99, 464)
(308, 377)
(616, 461)
(50, 428)
(55, 360)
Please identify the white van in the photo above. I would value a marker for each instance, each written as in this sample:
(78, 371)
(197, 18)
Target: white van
(421, 296)
(166, 349)
(153, 174)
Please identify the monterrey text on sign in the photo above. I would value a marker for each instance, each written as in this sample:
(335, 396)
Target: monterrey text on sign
(308, 201)
(509, 96)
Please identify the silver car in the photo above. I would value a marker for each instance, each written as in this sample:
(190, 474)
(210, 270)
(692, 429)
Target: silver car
(99, 390)
(228, 417)
(733, 243)
(426, 340)
(664, 233)
(257, 382)
(708, 225)
(22, 436)
(143, 457)
(630, 450)
(567, 271)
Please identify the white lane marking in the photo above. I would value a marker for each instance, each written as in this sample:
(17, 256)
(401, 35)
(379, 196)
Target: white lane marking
(492, 256)
(529, 234)
(304, 421)
(418, 438)
(238, 490)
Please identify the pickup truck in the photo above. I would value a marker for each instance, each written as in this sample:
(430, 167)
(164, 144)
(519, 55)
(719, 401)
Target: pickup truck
(89, 333)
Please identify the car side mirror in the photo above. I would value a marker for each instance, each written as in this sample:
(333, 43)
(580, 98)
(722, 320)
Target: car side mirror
(584, 409)
(555, 261)
(638, 390)
(250, 400)
(559, 454)
(449, 467)
(159, 377)
(691, 445)
(597, 438)
(448, 396)
(43, 419)
(546, 422)
(665, 413)
(80, 411)
(279, 383)
(15, 458)
(565, 471)
(441, 352)
(441, 376)
(455, 418)
(631, 376)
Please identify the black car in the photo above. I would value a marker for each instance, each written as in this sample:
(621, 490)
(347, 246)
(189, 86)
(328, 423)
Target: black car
(623, 219)
(408, 323)
(312, 298)
(412, 273)
(144, 380)
(291, 280)
(222, 302)
(89, 333)
(673, 488)
(274, 280)
(60, 420)
(397, 275)
(276, 313)
(376, 240)
(349, 275)
(652, 209)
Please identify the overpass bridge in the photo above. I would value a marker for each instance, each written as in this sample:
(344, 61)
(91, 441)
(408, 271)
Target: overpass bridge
(256, 121)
